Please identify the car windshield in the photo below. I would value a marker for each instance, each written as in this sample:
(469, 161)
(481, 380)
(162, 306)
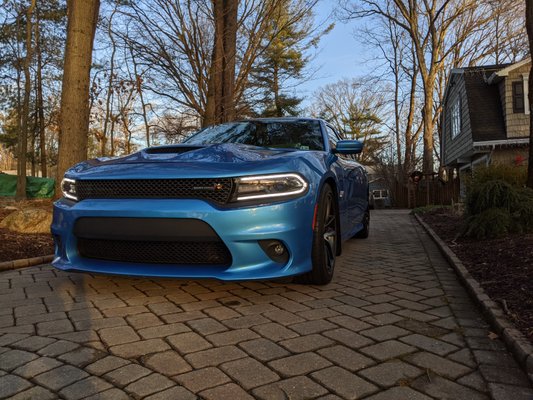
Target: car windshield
(297, 134)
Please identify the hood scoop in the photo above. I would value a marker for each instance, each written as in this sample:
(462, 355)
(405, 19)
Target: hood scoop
(171, 149)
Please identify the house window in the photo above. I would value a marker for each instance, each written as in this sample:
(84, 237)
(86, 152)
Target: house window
(380, 194)
(518, 98)
(456, 117)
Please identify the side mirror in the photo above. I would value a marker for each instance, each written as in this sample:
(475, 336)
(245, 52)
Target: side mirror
(349, 147)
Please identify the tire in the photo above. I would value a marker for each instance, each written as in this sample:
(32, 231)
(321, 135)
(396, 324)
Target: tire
(325, 237)
(363, 233)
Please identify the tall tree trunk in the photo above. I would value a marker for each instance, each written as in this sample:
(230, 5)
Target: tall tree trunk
(215, 70)
(427, 113)
(218, 60)
(82, 18)
(112, 136)
(33, 153)
(143, 105)
(210, 108)
(529, 26)
(497, 37)
(397, 120)
(220, 105)
(275, 89)
(138, 84)
(23, 133)
(109, 96)
(230, 50)
(411, 136)
(103, 143)
(19, 89)
(396, 63)
(40, 108)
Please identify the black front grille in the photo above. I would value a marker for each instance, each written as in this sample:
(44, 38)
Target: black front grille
(169, 252)
(216, 190)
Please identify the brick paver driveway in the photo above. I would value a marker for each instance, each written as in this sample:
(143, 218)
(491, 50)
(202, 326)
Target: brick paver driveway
(395, 324)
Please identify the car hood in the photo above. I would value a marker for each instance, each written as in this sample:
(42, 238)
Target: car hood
(227, 159)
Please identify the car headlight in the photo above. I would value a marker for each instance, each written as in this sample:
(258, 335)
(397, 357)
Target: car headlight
(68, 187)
(269, 186)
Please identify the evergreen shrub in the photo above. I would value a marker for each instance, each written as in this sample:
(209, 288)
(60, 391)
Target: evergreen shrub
(497, 203)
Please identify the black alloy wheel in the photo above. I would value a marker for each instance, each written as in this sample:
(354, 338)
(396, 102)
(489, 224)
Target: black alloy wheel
(325, 237)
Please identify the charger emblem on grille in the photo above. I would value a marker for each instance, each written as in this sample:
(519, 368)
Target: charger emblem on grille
(215, 188)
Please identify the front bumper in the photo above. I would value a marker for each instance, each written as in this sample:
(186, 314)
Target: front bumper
(239, 228)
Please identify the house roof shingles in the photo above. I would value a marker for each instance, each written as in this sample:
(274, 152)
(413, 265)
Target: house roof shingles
(484, 103)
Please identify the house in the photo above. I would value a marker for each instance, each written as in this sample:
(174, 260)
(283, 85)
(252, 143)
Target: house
(379, 194)
(486, 117)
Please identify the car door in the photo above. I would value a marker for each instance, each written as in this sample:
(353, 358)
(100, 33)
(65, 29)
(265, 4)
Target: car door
(353, 194)
(342, 170)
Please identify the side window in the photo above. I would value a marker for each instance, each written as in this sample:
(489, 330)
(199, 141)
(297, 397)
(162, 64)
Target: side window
(333, 138)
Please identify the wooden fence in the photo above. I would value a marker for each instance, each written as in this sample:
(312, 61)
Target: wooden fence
(430, 191)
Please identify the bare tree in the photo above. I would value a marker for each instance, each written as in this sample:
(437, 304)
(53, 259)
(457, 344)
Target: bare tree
(444, 34)
(401, 69)
(139, 86)
(180, 45)
(505, 31)
(355, 107)
(172, 39)
(529, 26)
(81, 26)
(23, 133)
(220, 106)
(173, 129)
(41, 64)
(109, 119)
(39, 96)
(428, 24)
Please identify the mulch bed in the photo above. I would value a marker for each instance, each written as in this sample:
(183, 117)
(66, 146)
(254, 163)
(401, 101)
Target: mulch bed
(503, 267)
(15, 246)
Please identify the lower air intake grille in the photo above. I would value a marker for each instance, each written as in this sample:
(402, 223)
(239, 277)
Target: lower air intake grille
(170, 252)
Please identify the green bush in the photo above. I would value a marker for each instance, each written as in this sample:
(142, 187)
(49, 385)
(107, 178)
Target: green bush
(514, 175)
(497, 203)
(490, 223)
(523, 213)
(491, 194)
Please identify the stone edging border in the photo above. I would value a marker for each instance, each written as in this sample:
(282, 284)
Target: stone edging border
(515, 340)
(25, 262)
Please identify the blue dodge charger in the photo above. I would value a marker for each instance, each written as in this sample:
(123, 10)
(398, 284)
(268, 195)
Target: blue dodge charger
(254, 199)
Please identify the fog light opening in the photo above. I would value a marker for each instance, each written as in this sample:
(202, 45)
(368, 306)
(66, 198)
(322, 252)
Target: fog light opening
(275, 250)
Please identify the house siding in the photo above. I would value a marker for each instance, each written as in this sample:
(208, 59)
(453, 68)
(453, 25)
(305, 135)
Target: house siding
(513, 156)
(461, 145)
(517, 124)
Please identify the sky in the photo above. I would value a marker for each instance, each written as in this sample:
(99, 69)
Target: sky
(341, 54)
